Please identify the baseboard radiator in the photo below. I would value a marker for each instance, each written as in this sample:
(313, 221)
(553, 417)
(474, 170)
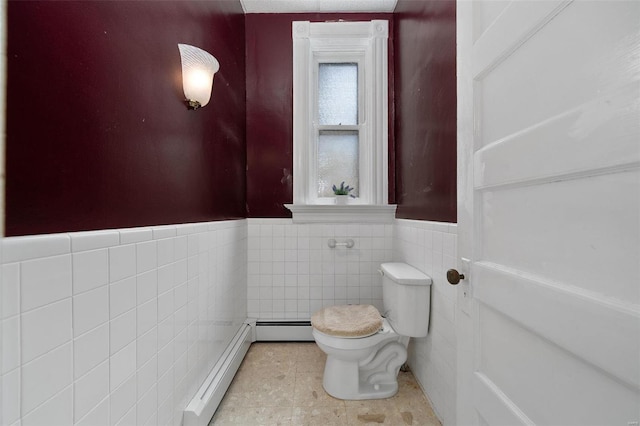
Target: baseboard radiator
(206, 400)
(285, 331)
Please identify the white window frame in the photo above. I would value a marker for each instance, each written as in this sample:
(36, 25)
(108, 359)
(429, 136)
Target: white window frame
(364, 43)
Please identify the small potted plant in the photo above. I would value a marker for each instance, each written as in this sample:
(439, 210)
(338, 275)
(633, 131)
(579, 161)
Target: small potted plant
(342, 193)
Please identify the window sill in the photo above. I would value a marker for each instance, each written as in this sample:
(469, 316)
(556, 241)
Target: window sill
(350, 213)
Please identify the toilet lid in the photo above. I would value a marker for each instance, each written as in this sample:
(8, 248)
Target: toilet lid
(347, 320)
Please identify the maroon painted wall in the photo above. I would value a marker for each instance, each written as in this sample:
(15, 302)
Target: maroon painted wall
(97, 133)
(269, 50)
(425, 102)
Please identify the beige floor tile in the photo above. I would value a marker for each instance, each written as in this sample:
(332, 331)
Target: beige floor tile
(371, 404)
(310, 352)
(264, 395)
(281, 384)
(372, 416)
(320, 416)
(266, 352)
(308, 367)
(279, 356)
(310, 393)
(253, 416)
(249, 376)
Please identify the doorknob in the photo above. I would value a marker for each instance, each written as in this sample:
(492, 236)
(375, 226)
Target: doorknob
(454, 277)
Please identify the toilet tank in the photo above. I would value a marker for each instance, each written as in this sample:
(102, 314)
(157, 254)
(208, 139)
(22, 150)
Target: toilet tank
(406, 294)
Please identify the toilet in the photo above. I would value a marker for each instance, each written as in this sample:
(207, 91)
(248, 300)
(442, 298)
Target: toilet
(366, 350)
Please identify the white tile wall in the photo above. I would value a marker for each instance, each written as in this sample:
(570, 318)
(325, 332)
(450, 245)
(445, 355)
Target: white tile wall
(431, 247)
(292, 272)
(118, 326)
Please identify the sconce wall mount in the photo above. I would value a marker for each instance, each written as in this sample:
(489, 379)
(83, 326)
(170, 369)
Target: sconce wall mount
(198, 68)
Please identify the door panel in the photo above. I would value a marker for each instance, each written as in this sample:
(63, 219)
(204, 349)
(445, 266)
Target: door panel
(557, 69)
(551, 374)
(598, 330)
(548, 320)
(582, 218)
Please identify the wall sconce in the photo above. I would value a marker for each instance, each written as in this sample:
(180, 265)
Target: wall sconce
(198, 68)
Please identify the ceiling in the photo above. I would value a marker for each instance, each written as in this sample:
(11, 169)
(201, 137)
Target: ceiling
(321, 6)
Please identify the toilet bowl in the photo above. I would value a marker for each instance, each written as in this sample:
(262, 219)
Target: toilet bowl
(365, 351)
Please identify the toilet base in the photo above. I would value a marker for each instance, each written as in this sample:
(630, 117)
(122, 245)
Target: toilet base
(373, 378)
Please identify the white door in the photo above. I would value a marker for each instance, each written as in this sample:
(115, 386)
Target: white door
(549, 212)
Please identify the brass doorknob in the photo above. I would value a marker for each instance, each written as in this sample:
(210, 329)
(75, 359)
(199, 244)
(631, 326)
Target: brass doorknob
(454, 277)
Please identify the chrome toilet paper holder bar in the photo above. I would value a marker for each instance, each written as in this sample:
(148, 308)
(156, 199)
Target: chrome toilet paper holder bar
(332, 243)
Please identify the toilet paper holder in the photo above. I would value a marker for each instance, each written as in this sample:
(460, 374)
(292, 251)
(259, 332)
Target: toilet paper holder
(332, 243)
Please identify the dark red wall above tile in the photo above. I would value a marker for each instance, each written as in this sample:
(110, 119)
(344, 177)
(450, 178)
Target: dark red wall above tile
(97, 133)
(425, 104)
(270, 108)
(98, 136)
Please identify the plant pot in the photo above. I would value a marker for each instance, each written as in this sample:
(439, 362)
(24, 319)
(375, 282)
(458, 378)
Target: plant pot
(342, 200)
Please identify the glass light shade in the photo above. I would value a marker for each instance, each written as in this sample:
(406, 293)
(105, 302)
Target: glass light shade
(198, 68)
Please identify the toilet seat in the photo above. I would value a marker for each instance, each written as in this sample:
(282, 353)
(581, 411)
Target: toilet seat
(347, 321)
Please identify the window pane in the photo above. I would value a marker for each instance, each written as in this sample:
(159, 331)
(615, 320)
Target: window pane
(338, 93)
(337, 161)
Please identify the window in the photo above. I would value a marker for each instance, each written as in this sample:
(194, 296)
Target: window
(340, 114)
(336, 122)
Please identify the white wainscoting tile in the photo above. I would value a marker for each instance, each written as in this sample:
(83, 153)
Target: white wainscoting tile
(99, 416)
(122, 262)
(46, 376)
(165, 384)
(122, 296)
(165, 410)
(147, 405)
(153, 420)
(181, 247)
(165, 331)
(147, 376)
(122, 331)
(91, 240)
(45, 328)
(122, 399)
(166, 357)
(90, 389)
(166, 251)
(56, 411)
(67, 312)
(10, 291)
(166, 278)
(164, 231)
(433, 251)
(135, 235)
(10, 397)
(90, 270)
(90, 309)
(10, 344)
(146, 256)
(129, 419)
(147, 286)
(180, 295)
(147, 316)
(43, 281)
(122, 365)
(16, 249)
(165, 305)
(180, 275)
(146, 347)
(90, 349)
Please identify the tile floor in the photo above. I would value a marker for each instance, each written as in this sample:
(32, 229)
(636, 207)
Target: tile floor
(281, 384)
